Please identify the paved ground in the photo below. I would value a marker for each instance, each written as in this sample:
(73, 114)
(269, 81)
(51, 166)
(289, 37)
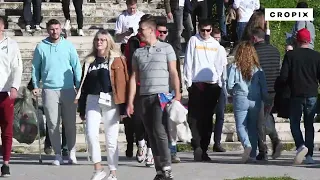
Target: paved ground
(224, 166)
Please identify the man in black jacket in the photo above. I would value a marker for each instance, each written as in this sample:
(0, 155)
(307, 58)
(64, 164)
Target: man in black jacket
(269, 58)
(301, 72)
(179, 11)
(134, 125)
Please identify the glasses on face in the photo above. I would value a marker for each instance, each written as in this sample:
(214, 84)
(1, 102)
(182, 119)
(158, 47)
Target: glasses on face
(100, 39)
(205, 30)
(163, 32)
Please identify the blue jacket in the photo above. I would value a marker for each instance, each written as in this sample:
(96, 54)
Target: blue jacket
(254, 89)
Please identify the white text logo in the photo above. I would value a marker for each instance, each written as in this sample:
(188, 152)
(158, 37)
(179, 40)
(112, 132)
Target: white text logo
(289, 14)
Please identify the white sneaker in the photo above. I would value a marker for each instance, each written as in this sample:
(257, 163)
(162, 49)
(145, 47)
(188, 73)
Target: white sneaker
(72, 158)
(28, 28)
(99, 175)
(38, 28)
(246, 154)
(309, 160)
(112, 177)
(141, 154)
(149, 161)
(57, 160)
(301, 153)
(80, 32)
(67, 25)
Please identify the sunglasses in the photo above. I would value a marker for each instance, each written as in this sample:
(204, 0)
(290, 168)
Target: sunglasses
(203, 30)
(163, 32)
(97, 40)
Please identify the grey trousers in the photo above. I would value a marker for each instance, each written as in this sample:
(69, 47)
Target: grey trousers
(56, 104)
(156, 125)
(262, 144)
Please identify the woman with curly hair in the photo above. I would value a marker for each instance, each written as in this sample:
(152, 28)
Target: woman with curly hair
(247, 84)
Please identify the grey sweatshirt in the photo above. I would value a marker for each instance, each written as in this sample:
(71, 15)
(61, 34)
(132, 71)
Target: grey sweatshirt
(305, 24)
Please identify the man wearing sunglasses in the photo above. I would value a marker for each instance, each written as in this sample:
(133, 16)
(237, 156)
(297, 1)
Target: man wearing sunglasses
(163, 34)
(205, 61)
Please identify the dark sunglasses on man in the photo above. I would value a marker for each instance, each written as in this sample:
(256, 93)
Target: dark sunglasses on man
(203, 30)
(163, 32)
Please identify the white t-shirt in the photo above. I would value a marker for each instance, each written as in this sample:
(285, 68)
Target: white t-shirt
(125, 21)
(246, 8)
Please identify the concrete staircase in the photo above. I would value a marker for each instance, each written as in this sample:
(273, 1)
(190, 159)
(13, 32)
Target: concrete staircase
(96, 15)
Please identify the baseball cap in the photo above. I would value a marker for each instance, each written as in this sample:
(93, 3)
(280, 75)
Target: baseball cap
(303, 35)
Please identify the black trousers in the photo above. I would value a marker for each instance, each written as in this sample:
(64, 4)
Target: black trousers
(78, 7)
(201, 11)
(27, 14)
(203, 99)
(133, 127)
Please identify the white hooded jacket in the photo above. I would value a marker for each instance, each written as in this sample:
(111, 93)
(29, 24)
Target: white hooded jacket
(10, 65)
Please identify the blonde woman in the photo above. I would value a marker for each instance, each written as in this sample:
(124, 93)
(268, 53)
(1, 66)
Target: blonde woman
(247, 84)
(103, 94)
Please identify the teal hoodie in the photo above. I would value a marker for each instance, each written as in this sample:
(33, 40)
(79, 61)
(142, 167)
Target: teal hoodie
(56, 64)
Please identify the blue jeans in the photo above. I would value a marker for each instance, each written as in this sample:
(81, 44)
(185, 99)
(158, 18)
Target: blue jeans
(240, 29)
(173, 149)
(219, 117)
(246, 113)
(220, 14)
(308, 107)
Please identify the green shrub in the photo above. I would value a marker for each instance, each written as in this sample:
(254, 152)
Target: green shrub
(229, 108)
(278, 29)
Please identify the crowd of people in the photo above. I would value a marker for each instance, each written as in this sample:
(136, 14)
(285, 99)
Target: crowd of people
(138, 81)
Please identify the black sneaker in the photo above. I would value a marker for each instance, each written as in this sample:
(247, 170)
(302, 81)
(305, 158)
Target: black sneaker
(168, 174)
(276, 149)
(159, 176)
(48, 150)
(205, 157)
(218, 148)
(5, 171)
(262, 157)
(65, 152)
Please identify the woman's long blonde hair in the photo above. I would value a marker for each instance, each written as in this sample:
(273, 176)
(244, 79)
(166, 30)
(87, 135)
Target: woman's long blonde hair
(111, 45)
(246, 59)
(256, 21)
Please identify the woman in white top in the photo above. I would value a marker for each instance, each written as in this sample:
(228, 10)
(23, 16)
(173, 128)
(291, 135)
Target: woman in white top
(103, 96)
(244, 9)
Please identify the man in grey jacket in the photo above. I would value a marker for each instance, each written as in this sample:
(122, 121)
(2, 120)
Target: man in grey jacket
(291, 41)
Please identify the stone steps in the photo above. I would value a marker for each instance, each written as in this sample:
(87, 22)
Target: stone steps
(30, 42)
(86, 12)
(44, 33)
(107, 6)
(74, 26)
(86, 19)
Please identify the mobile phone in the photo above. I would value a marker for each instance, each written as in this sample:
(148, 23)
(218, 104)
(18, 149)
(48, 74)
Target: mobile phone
(131, 30)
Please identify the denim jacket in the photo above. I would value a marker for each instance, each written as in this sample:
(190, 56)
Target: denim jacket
(255, 89)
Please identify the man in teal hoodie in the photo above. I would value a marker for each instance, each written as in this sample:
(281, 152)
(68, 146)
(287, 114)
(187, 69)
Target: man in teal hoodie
(57, 63)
